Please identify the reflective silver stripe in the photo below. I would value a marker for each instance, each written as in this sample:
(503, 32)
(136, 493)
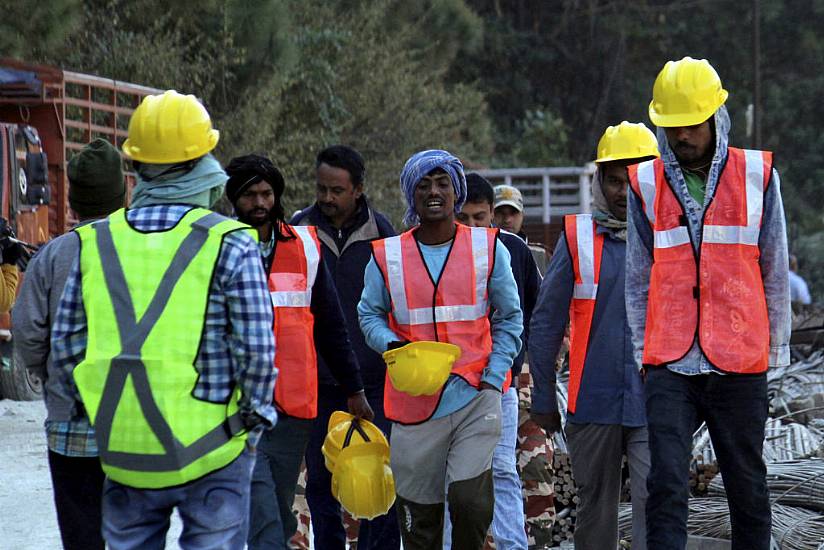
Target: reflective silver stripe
(310, 249)
(440, 314)
(480, 259)
(754, 161)
(397, 290)
(585, 237)
(291, 298)
(672, 237)
(585, 292)
(646, 182)
(731, 234)
(300, 298)
(446, 314)
(754, 190)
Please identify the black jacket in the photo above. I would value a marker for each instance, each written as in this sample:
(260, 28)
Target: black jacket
(346, 253)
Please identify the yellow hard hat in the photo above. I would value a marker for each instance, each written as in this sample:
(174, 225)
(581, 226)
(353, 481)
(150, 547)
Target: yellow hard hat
(170, 128)
(627, 141)
(686, 93)
(362, 481)
(421, 368)
(344, 431)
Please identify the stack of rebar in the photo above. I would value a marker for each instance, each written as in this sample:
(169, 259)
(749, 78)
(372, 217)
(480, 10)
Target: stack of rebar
(701, 473)
(566, 498)
(792, 528)
(796, 483)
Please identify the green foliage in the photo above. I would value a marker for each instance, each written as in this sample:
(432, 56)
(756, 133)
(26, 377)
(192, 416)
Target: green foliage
(354, 83)
(541, 140)
(28, 28)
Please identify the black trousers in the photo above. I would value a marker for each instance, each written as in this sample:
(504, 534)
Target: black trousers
(734, 407)
(78, 487)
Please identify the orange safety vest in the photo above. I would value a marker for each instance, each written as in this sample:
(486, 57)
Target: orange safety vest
(453, 310)
(718, 293)
(291, 278)
(586, 247)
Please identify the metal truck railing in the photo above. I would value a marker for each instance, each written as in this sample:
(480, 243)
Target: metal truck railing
(69, 110)
(549, 193)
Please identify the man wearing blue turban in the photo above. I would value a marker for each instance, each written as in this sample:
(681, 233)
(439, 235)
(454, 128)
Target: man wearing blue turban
(438, 281)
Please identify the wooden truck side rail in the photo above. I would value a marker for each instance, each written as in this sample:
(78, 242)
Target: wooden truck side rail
(68, 111)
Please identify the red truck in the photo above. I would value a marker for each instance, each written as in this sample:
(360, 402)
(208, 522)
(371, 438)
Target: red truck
(46, 115)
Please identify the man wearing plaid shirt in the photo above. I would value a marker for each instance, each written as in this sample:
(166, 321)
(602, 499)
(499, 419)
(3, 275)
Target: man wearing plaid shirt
(234, 357)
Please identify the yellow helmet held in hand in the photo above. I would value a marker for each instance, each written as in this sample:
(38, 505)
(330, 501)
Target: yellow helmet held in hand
(627, 141)
(686, 92)
(362, 481)
(344, 431)
(421, 368)
(170, 128)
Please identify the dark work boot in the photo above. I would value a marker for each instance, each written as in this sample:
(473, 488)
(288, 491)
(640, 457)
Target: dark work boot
(471, 502)
(421, 524)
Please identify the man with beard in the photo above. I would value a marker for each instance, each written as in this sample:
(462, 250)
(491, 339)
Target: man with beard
(308, 321)
(448, 438)
(584, 288)
(346, 224)
(707, 300)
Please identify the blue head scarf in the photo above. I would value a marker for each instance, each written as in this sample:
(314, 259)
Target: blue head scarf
(421, 164)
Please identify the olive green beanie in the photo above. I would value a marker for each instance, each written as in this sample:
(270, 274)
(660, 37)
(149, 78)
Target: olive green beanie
(96, 186)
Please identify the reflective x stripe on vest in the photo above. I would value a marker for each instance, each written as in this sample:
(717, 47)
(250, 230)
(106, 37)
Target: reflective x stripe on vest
(291, 278)
(585, 247)
(722, 280)
(455, 310)
(130, 392)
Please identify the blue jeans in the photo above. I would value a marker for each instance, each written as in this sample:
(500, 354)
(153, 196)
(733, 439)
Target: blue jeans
(274, 480)
(381, 533)
(735, 410)
(508, 523)
(213, 510)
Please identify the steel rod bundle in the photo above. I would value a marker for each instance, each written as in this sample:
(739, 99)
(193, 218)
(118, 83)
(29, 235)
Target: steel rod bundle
(792, 528)
(566, 498)
(796, 483)
(783, 441)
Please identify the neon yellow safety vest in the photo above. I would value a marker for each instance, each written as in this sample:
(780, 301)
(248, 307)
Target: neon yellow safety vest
(145, 295)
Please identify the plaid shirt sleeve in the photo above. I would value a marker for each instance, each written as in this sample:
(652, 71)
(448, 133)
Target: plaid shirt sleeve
(238, 339)
(69, 332)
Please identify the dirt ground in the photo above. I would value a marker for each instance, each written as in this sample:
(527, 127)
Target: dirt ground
(27, 516)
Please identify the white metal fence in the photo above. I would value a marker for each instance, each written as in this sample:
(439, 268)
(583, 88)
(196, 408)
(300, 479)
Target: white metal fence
(549, 193)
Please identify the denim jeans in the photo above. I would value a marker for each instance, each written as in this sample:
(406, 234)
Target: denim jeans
(381, 533)
(212, 508)
(508, 523)
(735, 410)
(274, 480)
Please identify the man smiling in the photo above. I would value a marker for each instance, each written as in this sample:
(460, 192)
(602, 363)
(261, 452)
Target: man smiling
(448, 438)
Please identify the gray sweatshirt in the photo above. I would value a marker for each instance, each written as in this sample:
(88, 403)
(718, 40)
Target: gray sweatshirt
(34, 313)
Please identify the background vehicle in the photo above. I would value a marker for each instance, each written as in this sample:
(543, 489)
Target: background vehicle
(46, 115)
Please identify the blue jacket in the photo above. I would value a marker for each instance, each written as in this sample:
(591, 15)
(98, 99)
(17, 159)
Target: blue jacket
(772, 244)
(528, 279)
(346, 253)
(611, 389)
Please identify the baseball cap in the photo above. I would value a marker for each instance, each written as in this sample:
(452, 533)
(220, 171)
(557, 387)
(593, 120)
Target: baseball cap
(507, 195)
